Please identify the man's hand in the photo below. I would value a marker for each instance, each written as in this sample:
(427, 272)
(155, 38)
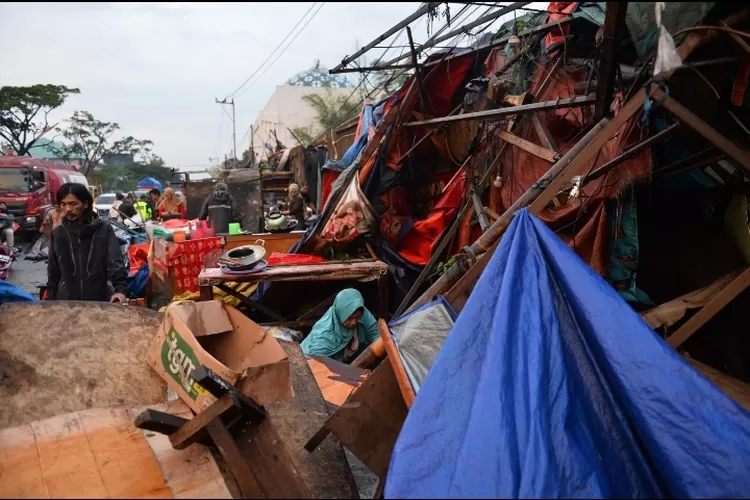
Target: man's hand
(118, 298)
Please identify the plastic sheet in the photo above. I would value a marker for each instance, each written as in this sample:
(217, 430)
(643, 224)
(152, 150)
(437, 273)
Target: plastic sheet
(419, 336)
(551, 386)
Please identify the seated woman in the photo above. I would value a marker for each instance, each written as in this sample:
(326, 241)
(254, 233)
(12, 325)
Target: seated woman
(344, 330)
(171, 206)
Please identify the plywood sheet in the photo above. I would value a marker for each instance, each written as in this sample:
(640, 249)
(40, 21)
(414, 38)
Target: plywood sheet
(98, 453)
(336, 380)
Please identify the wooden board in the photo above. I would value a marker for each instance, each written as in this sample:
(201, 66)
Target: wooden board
(99, 453)
(735, 389)
(274, 242)
(306, 272)
(326, 472)
(61, 357)
(336, 380)
(370, 420)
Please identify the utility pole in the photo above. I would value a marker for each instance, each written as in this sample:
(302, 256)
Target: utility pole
(252, 147)
(234, 128)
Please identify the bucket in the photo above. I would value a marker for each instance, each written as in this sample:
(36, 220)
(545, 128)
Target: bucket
(234, 228)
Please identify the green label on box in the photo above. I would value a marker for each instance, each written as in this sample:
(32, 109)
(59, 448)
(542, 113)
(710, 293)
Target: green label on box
(180, 361)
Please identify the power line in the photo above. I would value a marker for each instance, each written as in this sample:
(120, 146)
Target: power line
(285, 48)
(274, 51)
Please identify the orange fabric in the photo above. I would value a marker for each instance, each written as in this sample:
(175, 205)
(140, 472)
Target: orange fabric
(561, 10)
(417, 245)
(740, 85)
(138, 255)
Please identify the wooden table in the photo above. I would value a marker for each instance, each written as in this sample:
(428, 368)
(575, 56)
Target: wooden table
(361, 270)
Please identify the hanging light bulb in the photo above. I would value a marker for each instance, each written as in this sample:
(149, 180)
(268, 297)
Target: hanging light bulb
(498, 183)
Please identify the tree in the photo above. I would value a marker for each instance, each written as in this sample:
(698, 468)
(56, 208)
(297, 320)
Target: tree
(125, 177)
(92, 139)
(331, 111)
(24, 112)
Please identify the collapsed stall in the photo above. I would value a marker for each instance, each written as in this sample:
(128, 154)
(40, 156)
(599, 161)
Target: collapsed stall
(584, 121)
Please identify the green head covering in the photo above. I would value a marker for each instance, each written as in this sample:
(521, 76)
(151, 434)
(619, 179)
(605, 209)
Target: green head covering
(329, 336)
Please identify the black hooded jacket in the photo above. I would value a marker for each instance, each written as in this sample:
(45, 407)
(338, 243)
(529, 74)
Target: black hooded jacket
(83, 257)
(220, 199)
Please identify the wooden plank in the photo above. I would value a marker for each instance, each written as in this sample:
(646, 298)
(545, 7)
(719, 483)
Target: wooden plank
(326, 472)
(124, 460)
(266, 455)
(614, 27)
(690, 119)
(307, 272)
(190, 473)
(336, 380)
(70, 469)
(404, 384)
(20, 471)
(669, 313)
(735, 389)
(370, 420)
(494, 114)
(716, 304)
(194, 429)
(242, 472)
(528, 146)
(543, 133)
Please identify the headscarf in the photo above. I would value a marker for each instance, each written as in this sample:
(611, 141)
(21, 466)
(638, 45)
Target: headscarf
(221, 194)
(329, 336)
(293, 186)
(170, 205)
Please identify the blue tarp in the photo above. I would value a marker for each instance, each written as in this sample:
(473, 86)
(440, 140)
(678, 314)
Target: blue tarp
(149, 183)
(550, 385)
(11, 293)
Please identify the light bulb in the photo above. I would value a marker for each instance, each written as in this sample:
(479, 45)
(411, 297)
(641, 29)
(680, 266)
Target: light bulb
(498, 183)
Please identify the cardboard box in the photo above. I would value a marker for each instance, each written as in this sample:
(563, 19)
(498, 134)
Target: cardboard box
(224, 340)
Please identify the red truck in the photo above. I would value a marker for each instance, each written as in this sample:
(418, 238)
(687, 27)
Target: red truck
(28, 187)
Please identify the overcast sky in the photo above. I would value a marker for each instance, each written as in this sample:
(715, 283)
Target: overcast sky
(155, 68)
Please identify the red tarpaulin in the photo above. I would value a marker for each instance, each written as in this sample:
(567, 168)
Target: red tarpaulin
(417, 245)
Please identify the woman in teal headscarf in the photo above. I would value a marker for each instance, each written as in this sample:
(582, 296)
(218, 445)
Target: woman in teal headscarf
(344, 330)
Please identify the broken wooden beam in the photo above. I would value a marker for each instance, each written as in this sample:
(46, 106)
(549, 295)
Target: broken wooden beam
(669, 313)
(614, 27)
(716, 304)
(691, 120)
(528, 146)
(568, 102)
(404, 384)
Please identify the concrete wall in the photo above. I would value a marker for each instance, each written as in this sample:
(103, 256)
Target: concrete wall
(286, 109)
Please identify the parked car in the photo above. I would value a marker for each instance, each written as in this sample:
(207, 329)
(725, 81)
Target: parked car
(103, 204)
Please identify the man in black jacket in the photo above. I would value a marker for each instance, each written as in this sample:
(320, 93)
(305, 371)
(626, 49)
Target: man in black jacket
(84, 255)
(220, 198)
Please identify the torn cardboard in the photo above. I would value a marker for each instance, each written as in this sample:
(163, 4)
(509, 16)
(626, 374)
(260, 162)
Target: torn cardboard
(223, 339)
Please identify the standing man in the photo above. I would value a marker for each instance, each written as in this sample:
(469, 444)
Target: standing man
(154, 197)
(143, 208)
(84, 257)
(53, 219)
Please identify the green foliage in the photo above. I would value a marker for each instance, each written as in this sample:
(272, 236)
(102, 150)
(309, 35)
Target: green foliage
(331, 110)
(24, 111)
(93, 140)
(125, 177)
(304, 134)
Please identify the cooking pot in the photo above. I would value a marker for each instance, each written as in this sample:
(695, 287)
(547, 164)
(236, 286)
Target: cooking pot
(276, 220)
(247, 255)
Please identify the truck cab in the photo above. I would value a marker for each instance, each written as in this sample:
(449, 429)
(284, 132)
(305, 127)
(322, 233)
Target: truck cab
(28, 187)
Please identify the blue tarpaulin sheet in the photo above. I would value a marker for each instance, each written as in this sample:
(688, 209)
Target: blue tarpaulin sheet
(149, 183)
(550, 385)
(11, 293)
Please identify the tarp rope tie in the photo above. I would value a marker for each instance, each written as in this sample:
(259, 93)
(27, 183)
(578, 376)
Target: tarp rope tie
(650, 104)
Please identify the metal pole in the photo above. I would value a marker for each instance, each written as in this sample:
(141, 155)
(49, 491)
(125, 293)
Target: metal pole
(234, 135)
